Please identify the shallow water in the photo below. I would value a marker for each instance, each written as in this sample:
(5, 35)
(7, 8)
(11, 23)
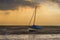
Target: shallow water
(31, 37)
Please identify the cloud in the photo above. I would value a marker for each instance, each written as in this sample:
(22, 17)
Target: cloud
(13, 4)
(56, 1)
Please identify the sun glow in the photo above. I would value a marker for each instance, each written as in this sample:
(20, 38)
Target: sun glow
(47, 14)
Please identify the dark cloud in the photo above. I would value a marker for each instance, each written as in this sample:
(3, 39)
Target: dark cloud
(56, 1)
(13, 4)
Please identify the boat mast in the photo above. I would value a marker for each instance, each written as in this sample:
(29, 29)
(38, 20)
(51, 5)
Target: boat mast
(35, 15)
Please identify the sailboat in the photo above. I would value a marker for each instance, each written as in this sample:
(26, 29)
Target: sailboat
(34, 26)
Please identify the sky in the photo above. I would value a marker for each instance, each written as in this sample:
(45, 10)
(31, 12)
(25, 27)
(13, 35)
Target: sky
(20, 12)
